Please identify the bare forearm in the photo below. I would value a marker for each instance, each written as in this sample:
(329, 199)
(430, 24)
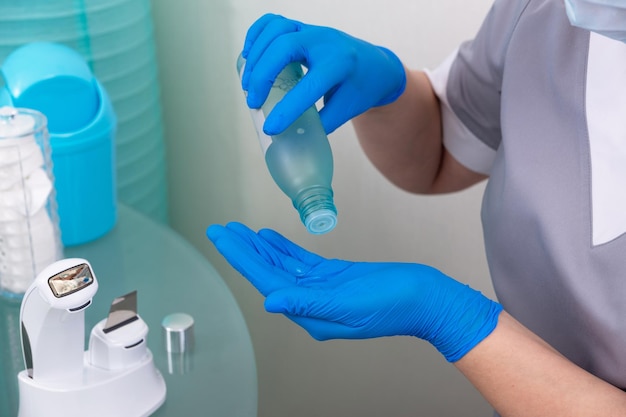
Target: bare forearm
(403, 139)
(521, 375)
(404, 142)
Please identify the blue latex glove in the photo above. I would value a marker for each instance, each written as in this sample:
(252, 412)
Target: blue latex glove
(336, 299)
(351, 74)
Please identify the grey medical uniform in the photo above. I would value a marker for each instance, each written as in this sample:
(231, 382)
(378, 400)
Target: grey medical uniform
(531, 101)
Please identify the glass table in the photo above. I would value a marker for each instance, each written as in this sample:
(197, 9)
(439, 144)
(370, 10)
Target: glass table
(170, 276)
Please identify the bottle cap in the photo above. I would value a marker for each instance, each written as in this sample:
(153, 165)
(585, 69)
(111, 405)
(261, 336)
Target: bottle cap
(320, 221)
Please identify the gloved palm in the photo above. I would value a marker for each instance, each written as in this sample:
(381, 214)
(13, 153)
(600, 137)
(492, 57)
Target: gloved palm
(351, 74)
(333, 298)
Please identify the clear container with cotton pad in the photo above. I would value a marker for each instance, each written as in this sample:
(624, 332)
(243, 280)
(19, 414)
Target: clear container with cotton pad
(29, 224)
(299, 159)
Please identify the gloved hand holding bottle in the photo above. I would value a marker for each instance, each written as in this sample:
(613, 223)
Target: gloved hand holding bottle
(337, 299)
(352, 75)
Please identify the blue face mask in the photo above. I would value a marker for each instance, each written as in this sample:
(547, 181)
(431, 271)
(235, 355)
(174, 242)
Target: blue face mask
(606, 17)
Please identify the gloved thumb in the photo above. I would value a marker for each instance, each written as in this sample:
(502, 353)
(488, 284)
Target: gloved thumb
(298, 301)
(311, 309)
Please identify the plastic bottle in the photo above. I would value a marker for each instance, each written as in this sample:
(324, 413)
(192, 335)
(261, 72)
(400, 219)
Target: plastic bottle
(299, 159)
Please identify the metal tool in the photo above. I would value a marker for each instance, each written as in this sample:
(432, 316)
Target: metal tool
(123, 311)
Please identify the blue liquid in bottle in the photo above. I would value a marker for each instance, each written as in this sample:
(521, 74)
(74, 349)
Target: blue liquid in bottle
(299, 159)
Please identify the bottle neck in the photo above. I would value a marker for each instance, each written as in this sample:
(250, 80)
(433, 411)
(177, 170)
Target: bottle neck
(317, 209)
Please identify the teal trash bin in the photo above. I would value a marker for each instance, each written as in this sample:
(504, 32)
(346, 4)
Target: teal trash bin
(55, 80)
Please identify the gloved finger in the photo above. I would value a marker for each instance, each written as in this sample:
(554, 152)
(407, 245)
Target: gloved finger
(312, 270)
(263, 248)
(286, 246)
(315, 84)
(259, 75)
(323, 74)
(273, 29)
(269, 252)
(318, 48)
(263, 275)
(339, 107)
(256, 29)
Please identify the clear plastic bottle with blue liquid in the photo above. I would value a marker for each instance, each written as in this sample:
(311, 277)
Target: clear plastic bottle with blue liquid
(299, 159)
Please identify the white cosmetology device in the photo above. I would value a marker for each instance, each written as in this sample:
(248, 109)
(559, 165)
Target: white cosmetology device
(115, 377)
(53, 322)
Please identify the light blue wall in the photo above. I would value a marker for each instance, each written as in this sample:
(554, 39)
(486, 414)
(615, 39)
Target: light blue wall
(217, 174)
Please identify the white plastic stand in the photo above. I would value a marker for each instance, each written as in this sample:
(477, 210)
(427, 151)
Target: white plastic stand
(115, 377)
(136, 391)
